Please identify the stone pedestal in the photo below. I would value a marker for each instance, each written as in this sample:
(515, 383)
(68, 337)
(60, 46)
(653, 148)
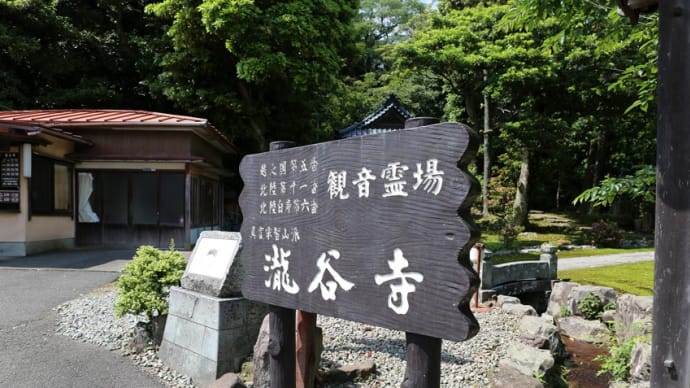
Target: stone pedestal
(206, 337)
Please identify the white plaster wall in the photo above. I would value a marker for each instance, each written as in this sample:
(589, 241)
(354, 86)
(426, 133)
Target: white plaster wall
(49, 228)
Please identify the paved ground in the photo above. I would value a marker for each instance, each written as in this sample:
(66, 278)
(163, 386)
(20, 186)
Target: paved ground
(600, 261)
(31, 354)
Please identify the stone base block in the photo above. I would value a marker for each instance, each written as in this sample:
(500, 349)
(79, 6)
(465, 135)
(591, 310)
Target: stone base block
(206, 337)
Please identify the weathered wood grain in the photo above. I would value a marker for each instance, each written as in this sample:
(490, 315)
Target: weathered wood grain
(281, 346)
(426, 228)
(422, 361)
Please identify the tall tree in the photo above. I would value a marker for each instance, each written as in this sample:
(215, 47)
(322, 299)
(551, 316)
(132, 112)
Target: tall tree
(473, 59)
(76, 53)
(370, 76)
(262, 68)
(609, 67)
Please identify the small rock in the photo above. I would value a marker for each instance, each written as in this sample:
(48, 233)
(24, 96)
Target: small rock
(641, 362)
(559, 297)
(140, 338)
(359, 370)
(606, 295)
(505, 299)
(528, 360)
(584, 330)
(537, 332)
(507, 376)
(633, 316)
(608, 316)
(228, 380)
(520, 310)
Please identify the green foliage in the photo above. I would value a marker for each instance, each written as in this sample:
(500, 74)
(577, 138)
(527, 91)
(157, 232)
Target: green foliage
(640, 187)
(77, 53)
(591, 306)
(572, 82)
(617, 362)
(565, 312)
(509, 234)
(144, 284)
(539, 375)
(264, 69)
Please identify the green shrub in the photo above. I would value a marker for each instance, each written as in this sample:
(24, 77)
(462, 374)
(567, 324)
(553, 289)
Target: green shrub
(605, 234)
(509, 235)
(591, 306)
(617, 362)
(565, 312)
(145, 282)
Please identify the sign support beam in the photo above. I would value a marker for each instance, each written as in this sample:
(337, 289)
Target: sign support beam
(281, 321)
(671, 338)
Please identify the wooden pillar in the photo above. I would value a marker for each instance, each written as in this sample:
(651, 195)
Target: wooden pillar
(306, 367)
(423, 354)
(281, 347)
(423, 362)
(671, 339)
(281, 321)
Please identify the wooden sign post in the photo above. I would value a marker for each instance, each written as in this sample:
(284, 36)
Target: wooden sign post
(366, 229)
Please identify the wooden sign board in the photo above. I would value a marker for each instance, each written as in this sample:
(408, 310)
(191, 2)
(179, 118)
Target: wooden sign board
(366, 229)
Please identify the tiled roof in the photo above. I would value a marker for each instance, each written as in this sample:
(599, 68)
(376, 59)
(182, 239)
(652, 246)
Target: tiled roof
(96, 117)
(28, 134)
(61, 119)
(368, 127)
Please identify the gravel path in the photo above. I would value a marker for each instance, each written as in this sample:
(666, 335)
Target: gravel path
(604, 260)
(464, 364)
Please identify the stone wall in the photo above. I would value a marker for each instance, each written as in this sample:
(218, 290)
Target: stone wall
(630, 321)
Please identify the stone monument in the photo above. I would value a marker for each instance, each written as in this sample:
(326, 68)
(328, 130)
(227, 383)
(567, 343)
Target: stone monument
(211, 328)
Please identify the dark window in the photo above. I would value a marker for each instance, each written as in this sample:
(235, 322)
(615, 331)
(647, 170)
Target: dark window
(51, 186)
(205, 202)
(171, 203)
(115, 198)
(138, 198)
(144, 199)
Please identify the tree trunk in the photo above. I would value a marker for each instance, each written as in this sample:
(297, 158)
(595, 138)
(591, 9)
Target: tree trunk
(601, 156)
(257, 123)
(520, 207)
(487, 156)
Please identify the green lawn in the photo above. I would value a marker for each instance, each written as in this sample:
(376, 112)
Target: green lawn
(635, 278)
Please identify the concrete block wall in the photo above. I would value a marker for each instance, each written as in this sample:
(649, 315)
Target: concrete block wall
(206, 337)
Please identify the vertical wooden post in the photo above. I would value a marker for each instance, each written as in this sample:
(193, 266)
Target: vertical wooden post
(423, 354)
(671, 338)
(281, 347)
(423, 357)
(281, 322)
(306, 349)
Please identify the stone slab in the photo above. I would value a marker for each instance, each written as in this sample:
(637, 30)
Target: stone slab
(213, 268)
(206, 337)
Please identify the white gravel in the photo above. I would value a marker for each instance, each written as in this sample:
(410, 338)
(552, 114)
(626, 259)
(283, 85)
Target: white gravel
(90, 319)
(463, 364)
